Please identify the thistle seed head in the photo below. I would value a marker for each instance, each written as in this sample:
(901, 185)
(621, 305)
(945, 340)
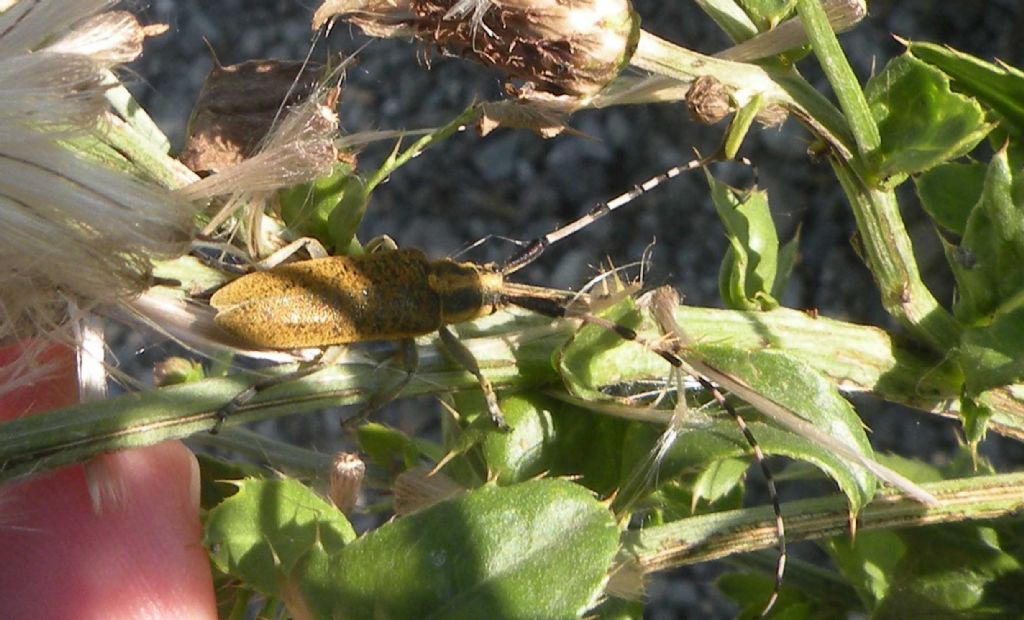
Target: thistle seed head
(562, 47)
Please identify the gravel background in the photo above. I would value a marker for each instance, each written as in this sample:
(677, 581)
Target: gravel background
(517, 185)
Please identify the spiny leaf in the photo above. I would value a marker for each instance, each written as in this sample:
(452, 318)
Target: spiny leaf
(921, 121)
(261, 532)
(949, 192)
(540, 549)
(1000, 87)
(989, 262)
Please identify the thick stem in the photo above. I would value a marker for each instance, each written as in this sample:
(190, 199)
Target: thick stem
(514, 352)
(742, 81)
(712, 536)
(889, 255)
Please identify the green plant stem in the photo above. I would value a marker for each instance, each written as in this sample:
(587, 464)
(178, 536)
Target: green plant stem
(398, 160)
(817, 583)
(143, 154)
(889, 255)
(840, 75)
(742, 81)
(345, 221)
(298, 462)
(515, 352)
(713, 536)
(787, 36)
(145, 127)
(857, 358)
(888, 250)
(40, 443)
(730, 17)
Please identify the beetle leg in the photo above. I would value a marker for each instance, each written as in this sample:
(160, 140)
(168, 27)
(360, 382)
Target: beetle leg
(253, 390)
(380, 243)
(410, 364)
(311, 245)
(465, 359)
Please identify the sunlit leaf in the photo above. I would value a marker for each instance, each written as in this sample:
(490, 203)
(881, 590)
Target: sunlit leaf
(993, 355)
(540, 549)
(720, 478)
(921, 121)
(262, 531)
(749, 269)
(306, 208)
(998, 86)
(768, 13)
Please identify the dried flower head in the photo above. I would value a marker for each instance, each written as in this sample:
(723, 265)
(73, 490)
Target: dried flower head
(239, 105)
(296, 147)
(562, 47)
(72, 228)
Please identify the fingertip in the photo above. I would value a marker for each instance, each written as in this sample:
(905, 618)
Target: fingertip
(120, 538)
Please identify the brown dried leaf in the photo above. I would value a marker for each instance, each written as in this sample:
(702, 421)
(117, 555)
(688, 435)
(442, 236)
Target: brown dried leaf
(239, 105)
(547, 122)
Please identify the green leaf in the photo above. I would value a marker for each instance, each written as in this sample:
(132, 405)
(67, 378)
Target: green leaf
(540, 549)
(949, 571)
(749, 268)
(306, 589)
(740, 126)
(596, 359)
(260, 533)
(868, 562)
(993, 355)
(344, 220)
(989, 262)
(386, 446)
(810, 395)
(788, 255)
(768, 13)
(805, 392)
(332, 209)
(974, 416)
(918, 471)
(921, 121)
(720, 478)
(307, 208)
(217, 478)
(598, 466)
(730, 18)
(949, 192)
(674, 500)
(1000, 87)
(808, 590)
(528, 449)
(545, 437)
(722, 439)
(464, 435)
(750, 591)
(946, 570)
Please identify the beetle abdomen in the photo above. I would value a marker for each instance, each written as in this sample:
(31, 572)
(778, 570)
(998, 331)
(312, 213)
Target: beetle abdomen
(335, 300)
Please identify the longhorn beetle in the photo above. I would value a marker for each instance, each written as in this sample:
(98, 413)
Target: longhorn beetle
(395, 295)
(401, 294)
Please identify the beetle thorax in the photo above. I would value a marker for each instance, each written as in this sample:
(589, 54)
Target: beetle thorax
(466, 290)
